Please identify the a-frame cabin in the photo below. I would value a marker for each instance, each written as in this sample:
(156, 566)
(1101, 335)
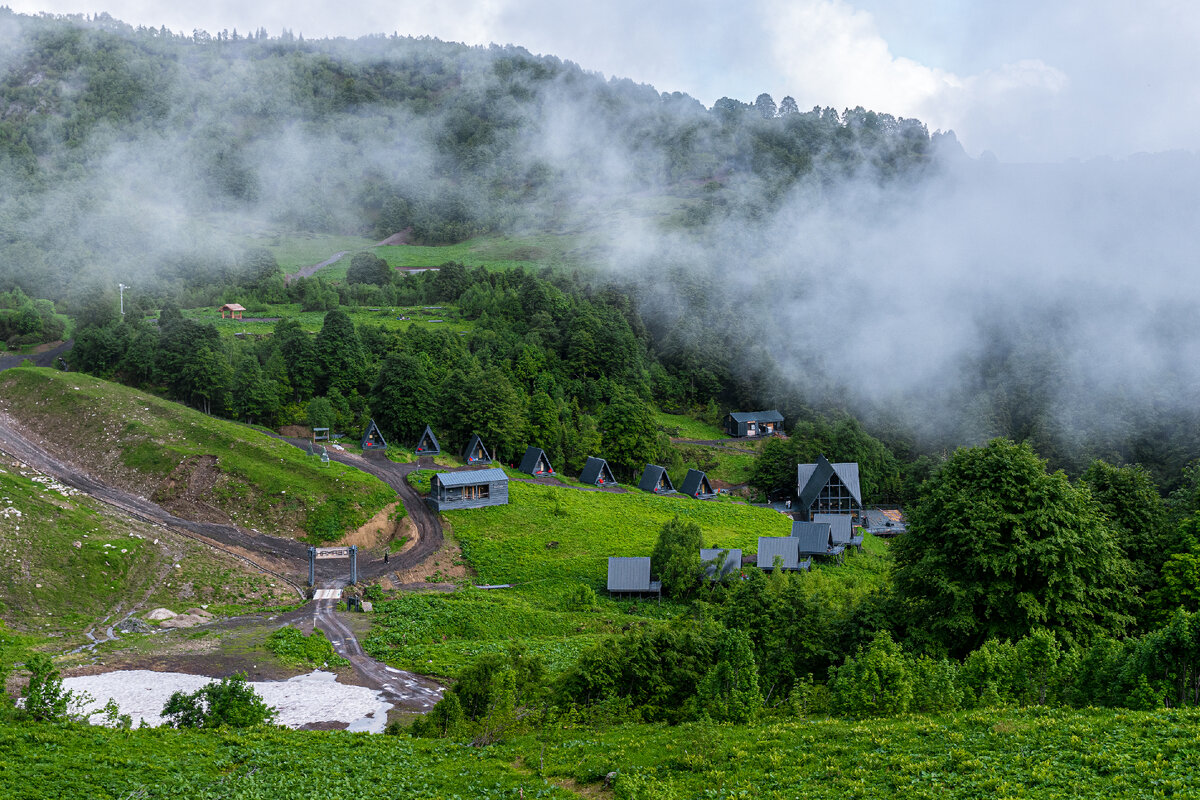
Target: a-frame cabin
(596, 472)
(655, 479)
(372, 440)
(428, 444)
(825, 488)
(475, 452)
(696, 485)
(535, 462)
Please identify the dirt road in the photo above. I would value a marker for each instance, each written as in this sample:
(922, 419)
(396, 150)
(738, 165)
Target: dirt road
(407, 690)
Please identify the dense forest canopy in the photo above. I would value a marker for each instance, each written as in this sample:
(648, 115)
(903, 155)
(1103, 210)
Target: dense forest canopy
(846, 261)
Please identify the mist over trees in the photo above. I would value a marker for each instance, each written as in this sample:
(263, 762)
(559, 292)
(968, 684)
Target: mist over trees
(847, 262)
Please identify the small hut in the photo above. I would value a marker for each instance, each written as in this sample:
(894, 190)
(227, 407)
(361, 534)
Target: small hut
(233, 309)
(729, 561)
(696, 485)
(631, 576)
(470, 489)
(816, 539)
(655, 479)
(751, 424)
(428, 444)
(841, 529)
(372, 440)
(596, 472)
(786, 549)
(535, 462)
(475, 452)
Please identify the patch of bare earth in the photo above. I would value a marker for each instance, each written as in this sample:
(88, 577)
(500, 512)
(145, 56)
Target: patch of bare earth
(379, 531)
(185, 491)
(442, 571)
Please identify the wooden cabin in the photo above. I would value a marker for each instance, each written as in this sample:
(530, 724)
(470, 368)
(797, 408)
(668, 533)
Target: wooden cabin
(655, 479)
(469, 489)
(785, 548)
(729, 561)
(475, 452)
(751, 424)
(596, 472)
(631, 576)
(535, 462)
(696, 485)
(825, 488)
(372, 440)
(428, 445)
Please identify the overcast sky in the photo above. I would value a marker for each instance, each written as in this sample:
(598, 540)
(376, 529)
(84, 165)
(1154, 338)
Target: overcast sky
(1025, 79)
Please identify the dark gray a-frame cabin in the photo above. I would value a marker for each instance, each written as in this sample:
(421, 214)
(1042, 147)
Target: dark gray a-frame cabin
(696, 485)
(655, 479)
(372, 440)
(428, 444)
(749, 424)
(535, 462)
(824, 488)
(841, 528)
(468, 489)
(475, 452)
(596, 472)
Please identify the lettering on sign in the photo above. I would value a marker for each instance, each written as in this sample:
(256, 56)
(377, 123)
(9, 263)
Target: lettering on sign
(333, 552)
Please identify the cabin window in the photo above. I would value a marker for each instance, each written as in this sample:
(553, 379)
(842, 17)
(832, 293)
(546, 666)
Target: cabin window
(476, 492)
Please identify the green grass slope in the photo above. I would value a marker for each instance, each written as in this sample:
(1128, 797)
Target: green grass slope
(1032, 753)
(67, 562)
(196, 466)
(557, 535)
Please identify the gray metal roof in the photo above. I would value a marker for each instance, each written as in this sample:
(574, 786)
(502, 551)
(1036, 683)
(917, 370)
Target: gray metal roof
(696, 483)
(783, 546)
(814, 538)
(471, 477)
(594, 470)
(530, 461)
(629, 574)
(652, 476)
(710, 555)
(841, 526)
(811, 479)
(757, 416)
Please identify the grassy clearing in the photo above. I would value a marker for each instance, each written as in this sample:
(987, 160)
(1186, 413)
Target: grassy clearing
(155, 448)
(440, 634)
(389, 318)
(531, 252)
(1033, 753)
(296, 250)
(684, 427)
(551, 536)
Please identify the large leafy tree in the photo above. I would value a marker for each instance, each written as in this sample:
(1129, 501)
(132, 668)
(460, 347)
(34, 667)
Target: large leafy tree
(676, 557)
(628, 434)
(1131, 501)
(402, 399)
(340, 354)
(996, 547)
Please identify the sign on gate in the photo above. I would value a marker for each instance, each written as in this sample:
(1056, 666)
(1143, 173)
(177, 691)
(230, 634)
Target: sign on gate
(332, 552)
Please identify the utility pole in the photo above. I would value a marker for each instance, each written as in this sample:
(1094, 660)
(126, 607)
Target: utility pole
(122, 287)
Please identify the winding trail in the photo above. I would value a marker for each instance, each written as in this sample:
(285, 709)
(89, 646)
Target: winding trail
(307, 272)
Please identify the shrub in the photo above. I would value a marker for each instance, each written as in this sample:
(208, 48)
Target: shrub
(231, 702)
